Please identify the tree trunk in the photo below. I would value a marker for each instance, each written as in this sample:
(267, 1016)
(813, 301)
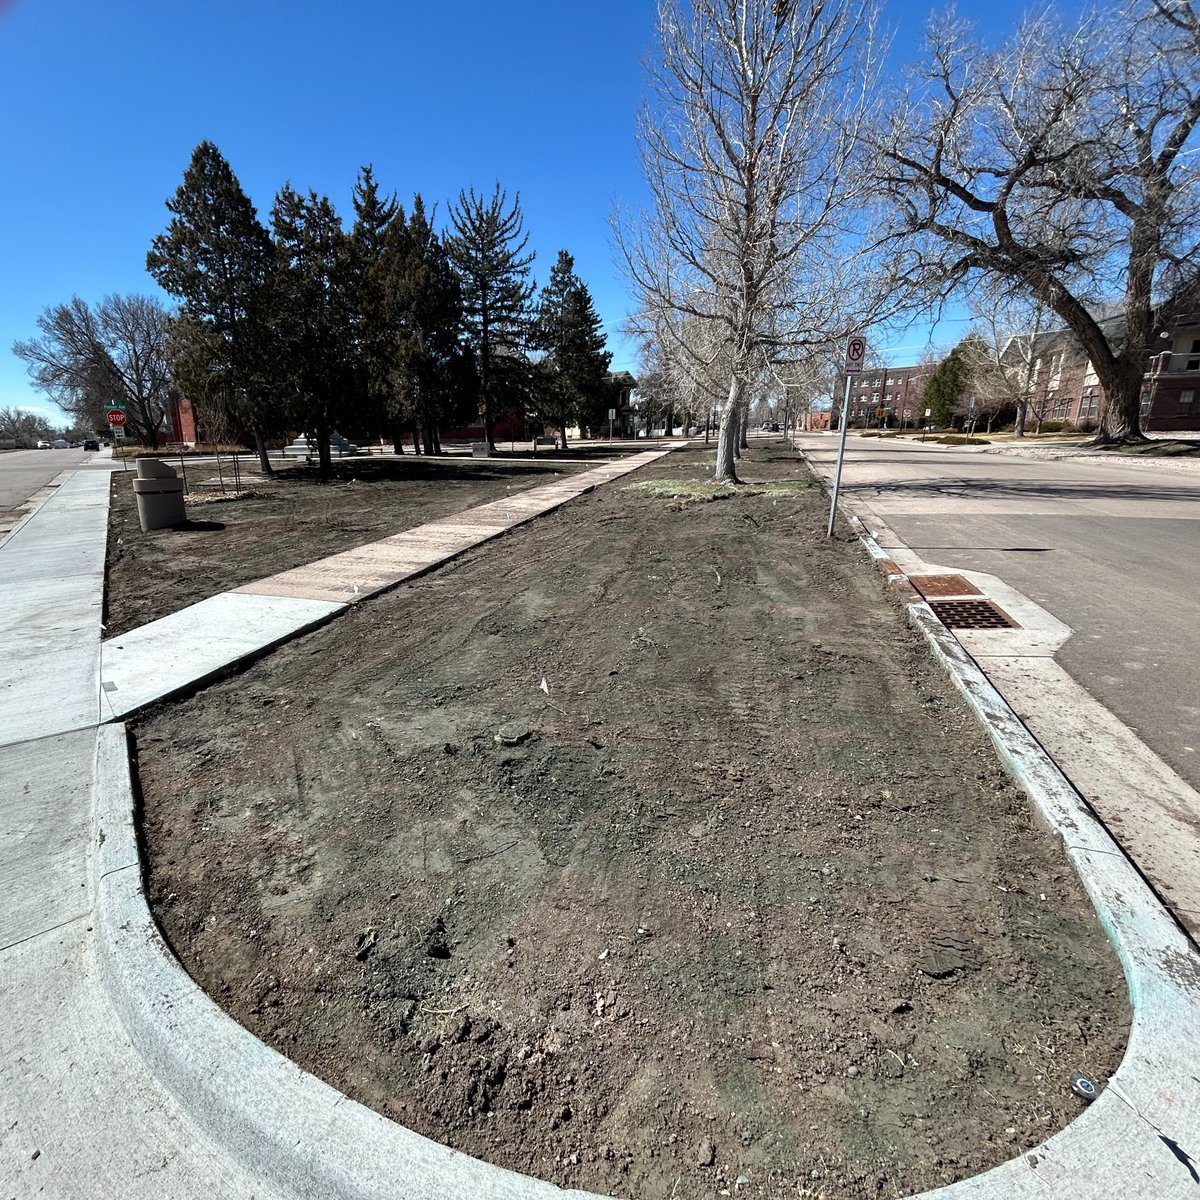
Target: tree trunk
(397, 439)
(437, 440)
(1123, 417)
(744, 425)
(416, 441)
(1019, 425)
(324, 459)
(260, 447)
(427, 438)
(727, 436)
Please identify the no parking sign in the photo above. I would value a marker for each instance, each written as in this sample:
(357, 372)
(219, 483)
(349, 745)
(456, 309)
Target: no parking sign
(856, 351)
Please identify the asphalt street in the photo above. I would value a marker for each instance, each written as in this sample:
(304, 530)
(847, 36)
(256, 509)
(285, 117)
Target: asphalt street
(1111, 550)
(23, 472)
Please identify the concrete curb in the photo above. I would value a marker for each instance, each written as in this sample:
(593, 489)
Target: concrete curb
(300, 1136)
(34, 503)
(1141, 1138)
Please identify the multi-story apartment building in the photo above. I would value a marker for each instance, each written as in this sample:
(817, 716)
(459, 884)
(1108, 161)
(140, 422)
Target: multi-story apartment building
(1171, 393)
(897, 392)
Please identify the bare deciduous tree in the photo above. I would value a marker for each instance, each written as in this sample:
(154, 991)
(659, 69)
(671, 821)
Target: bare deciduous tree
(746, 144)
(117, 352)
(1012, 329)
(1065, 162)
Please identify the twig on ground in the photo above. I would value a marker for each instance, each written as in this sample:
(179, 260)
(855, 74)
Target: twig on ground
(462, 862)
(445, 1012)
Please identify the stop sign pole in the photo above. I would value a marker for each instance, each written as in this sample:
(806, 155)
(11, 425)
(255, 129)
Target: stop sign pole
(856, 351)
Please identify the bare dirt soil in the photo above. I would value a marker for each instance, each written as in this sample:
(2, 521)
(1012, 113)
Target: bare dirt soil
(741, 894)
(286, 520)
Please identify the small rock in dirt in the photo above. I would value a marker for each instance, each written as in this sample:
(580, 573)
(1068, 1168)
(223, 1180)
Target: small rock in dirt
(706, 1153)
(741, 1181)
(512, 734)
(852, 1072)
(366, 943)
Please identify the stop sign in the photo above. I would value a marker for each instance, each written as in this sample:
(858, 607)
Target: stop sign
(116, 416)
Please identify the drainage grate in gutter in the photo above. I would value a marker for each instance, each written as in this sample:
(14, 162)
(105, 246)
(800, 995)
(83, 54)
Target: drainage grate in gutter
(943, 585)
(971, 614)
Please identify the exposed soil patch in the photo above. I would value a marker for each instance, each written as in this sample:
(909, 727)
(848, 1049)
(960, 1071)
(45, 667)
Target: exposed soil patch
(740, 893)
(285, 521)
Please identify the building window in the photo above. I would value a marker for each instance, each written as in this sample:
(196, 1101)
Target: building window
(1193, 364)
(1185, 402)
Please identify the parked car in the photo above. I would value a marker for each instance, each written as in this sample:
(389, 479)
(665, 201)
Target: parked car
(43, 445)
(61, 444)
(91, 444)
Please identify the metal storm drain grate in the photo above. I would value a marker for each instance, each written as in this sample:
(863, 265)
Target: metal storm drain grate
(972, 614)
(943, 585)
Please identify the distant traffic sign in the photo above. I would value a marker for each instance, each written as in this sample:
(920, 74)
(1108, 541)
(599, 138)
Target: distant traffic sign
(856, 351)
(116, 417)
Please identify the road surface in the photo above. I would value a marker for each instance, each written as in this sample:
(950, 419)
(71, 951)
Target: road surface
(1112, 550)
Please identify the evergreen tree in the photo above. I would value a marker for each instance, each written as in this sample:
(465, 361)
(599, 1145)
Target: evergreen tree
(946, 387)
(311, 315)
(430, 363)
(575, 367)
(487, 251)
(372, 318)
(215, 257)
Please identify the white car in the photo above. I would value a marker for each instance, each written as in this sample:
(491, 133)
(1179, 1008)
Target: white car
(43, 445)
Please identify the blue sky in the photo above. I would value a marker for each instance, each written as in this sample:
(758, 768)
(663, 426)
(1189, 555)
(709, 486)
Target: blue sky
(102, 102)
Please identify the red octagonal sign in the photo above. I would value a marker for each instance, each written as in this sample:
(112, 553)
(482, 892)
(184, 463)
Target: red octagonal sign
(116, 416)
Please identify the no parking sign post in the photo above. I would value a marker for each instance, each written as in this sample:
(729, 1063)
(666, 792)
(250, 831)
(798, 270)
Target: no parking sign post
(856, 351)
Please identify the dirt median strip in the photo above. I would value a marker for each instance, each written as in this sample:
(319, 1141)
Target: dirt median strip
(644, 850)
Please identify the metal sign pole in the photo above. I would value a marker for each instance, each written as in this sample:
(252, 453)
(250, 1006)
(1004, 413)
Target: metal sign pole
(856, 354)
(837, 474)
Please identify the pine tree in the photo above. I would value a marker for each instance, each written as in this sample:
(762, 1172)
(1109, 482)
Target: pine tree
(430, 365)
(575, 367)
(311, 317)
(216, 258)
(374, 323)
(487, 251)
(945, 388)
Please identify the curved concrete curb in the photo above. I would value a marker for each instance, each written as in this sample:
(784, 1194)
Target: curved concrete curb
(1141, 1138)
(300, 1136)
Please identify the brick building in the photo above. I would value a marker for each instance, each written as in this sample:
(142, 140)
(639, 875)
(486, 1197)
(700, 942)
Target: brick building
(1170, 393)
(1066, 387)
(898, 392)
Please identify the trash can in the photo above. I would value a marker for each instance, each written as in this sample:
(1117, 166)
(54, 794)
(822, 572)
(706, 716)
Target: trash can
(159, 494)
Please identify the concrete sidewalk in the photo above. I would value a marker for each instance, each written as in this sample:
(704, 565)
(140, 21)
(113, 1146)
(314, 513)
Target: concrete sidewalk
(81, 1115)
